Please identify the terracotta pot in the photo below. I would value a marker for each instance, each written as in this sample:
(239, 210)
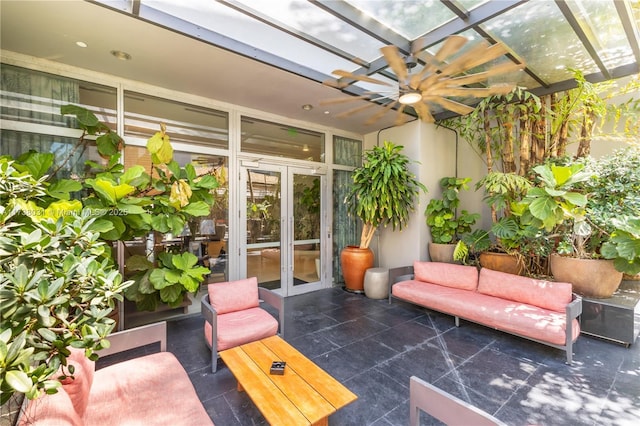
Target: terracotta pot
(596, 278)
(502, 262)
(441, 252)
(355, 262)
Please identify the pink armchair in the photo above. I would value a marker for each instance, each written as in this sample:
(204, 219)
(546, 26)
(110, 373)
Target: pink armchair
(233, 315)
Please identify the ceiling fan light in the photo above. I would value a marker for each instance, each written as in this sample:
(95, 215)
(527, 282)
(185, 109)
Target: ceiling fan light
(410, 98)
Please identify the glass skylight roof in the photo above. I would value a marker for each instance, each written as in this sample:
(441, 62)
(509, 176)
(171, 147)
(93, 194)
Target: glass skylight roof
(313, 38)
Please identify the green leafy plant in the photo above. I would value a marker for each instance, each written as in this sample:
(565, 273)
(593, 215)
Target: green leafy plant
(444, 222)
(131, 203)
(383, 190)
(58, 285)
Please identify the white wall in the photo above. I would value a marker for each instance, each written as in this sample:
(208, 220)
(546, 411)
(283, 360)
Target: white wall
(434, 152)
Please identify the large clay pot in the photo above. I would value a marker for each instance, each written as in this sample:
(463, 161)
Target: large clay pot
(441, 252)
(596, 278)
(502, 262)
(355, 262)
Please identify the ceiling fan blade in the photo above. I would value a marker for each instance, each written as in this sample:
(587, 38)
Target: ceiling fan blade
(378, 115)
(335, 84)
(490, 53)
(451, 45)
(355, 110)
(474, 92)
(431, 66)
(480, 76)
(342, 100)
(454, 106)
(347, 74)
(454, 67)
(396, 62)
(423, 112)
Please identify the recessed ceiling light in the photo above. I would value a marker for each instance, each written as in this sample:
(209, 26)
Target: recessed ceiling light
(307, 107)
(327, 112)
(123, 56)
(81, 44)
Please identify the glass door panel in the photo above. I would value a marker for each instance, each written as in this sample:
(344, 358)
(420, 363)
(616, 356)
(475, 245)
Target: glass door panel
(263, 222)
(306, 228)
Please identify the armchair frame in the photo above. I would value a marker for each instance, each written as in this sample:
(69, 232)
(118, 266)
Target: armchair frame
(211, 316)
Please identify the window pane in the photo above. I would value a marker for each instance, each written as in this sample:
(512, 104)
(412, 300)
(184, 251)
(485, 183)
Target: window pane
(347, 152)
(263, 137)
(72, 160)
(185, 123)
(36, 97)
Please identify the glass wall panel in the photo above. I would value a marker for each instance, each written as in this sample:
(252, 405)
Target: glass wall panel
(185, 123)
(346, 229)
(263, 137)
(206, 237)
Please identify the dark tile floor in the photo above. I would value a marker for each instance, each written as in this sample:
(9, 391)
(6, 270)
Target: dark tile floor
(373, 348)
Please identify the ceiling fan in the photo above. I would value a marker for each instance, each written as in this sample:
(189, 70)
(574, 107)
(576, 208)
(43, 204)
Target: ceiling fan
(443, 76)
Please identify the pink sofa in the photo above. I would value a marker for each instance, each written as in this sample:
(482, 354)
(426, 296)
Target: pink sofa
(542, 311)
(152, 390)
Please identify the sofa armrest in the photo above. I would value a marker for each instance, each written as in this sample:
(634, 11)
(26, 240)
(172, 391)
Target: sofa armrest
(276, 301)
(136, 337)
(573, 310)
(396, 275)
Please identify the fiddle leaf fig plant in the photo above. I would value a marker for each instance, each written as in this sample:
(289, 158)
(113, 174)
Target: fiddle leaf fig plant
(132, 203)
(623, 245)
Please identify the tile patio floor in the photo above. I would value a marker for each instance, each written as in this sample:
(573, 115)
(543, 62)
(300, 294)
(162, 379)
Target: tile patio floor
(373, 348)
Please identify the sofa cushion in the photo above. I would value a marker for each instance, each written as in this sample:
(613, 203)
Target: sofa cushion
(149, 390)
(544, 294)
(447, 274)
(51, 410)
(514, 317)
(79, 386)
(234, 296)
(238, 328)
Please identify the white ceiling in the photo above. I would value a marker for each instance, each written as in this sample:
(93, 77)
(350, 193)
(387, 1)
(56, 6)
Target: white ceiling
(49, 29)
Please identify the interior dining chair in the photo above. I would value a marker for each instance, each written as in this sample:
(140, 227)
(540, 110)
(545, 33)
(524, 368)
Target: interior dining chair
(233, 315)
(443, 406)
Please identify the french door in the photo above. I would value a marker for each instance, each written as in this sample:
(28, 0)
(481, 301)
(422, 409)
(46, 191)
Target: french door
(282, 213)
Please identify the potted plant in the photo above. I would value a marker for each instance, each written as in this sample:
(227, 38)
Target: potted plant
(444, 221)
(383, 193)
(503, 191)
(584, 245)
(58, 283)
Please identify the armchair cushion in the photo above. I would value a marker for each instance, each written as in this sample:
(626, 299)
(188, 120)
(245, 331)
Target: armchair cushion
(238, 328)
(234, 295)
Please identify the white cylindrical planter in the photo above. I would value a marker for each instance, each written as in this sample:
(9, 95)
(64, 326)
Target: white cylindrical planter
(376, 283)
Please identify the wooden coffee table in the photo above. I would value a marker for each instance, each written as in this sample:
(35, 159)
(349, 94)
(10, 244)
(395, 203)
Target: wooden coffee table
(304, 395)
